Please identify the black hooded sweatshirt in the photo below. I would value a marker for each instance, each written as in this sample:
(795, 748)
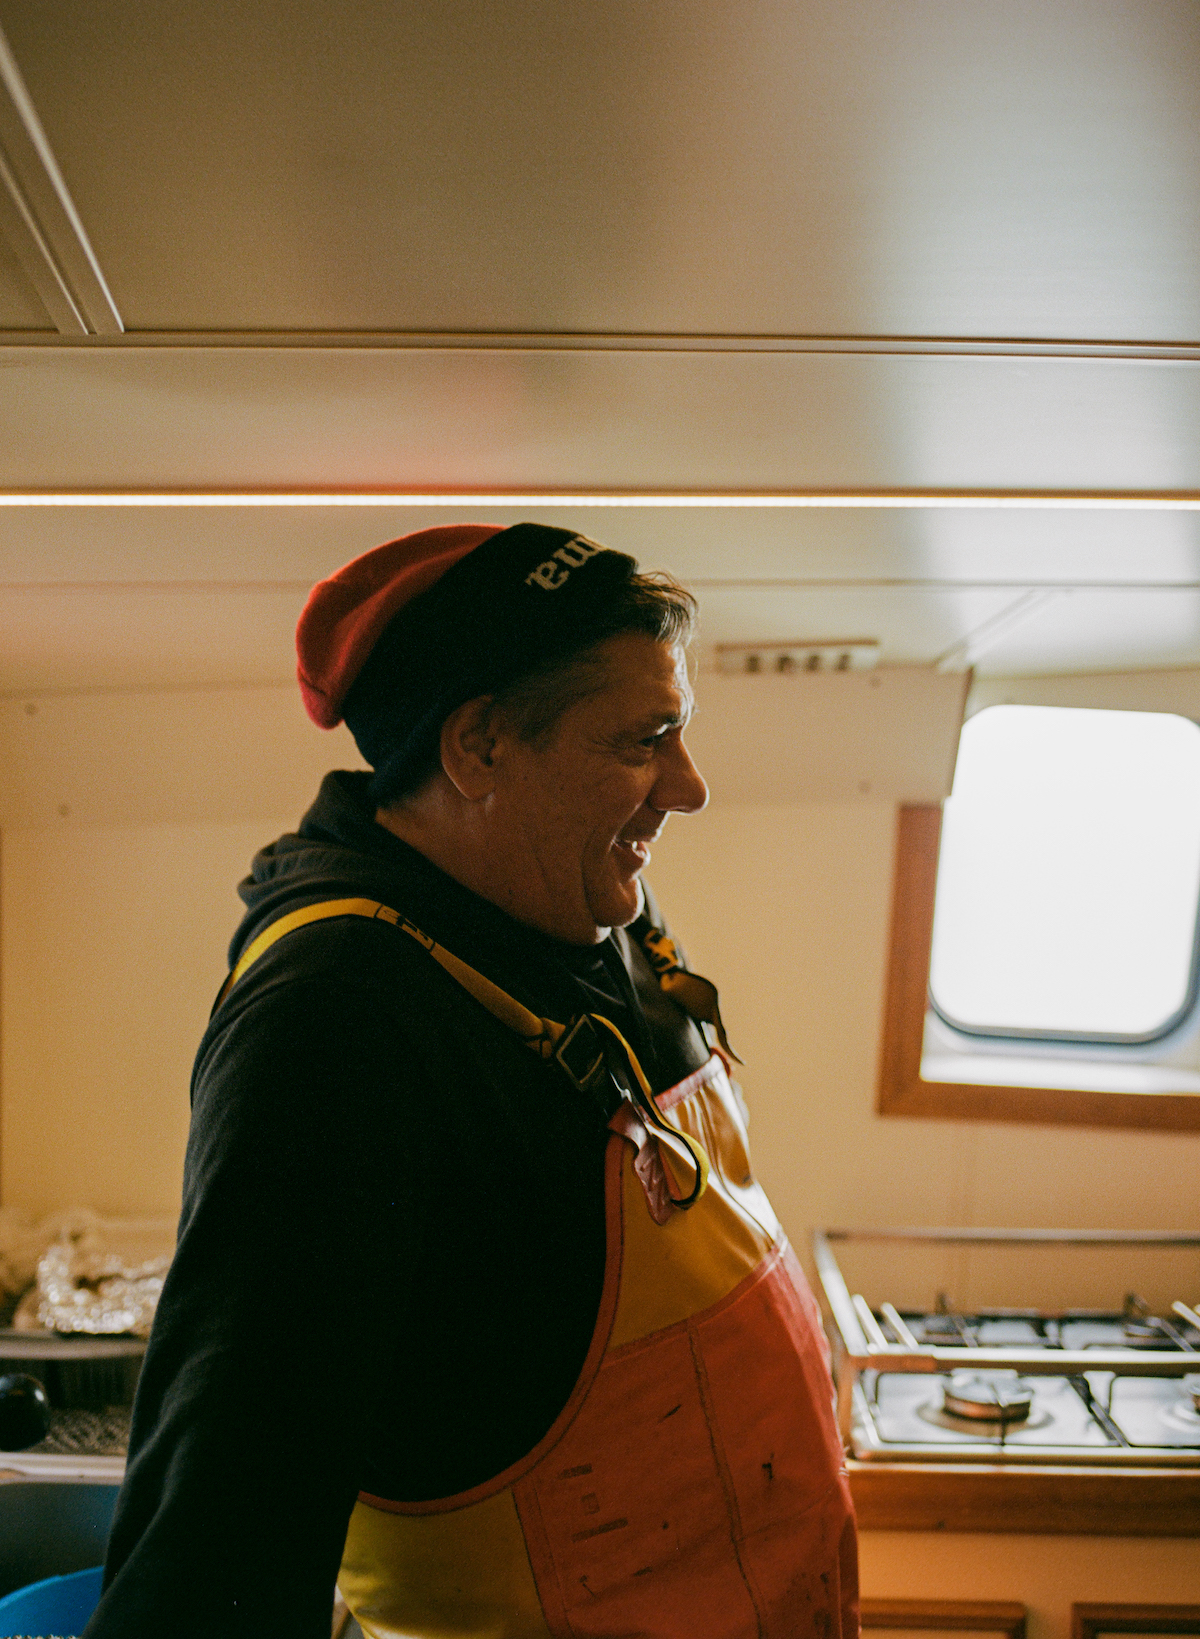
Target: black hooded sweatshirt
(392, 1244)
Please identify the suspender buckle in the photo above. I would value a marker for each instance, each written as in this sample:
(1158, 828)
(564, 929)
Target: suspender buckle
(580, 1055)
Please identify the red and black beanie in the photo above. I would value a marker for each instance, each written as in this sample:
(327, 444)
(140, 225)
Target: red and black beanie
(394, 641)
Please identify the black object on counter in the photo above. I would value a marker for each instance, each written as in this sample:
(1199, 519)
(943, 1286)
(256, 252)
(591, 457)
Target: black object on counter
(24, 1412)
(78, 1373)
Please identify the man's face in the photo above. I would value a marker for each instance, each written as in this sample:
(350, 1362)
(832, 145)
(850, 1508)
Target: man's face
(576, 815)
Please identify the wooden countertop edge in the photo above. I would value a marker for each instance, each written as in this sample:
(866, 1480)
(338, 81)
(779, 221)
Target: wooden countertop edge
(1038, 1500)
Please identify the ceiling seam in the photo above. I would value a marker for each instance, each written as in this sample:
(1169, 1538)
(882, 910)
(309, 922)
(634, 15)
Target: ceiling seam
(1136, 500)
(1173, 352)
(722, 584)
(989, 632)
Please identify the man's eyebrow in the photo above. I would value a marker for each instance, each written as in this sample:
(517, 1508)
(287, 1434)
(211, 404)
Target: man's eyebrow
(679, 718)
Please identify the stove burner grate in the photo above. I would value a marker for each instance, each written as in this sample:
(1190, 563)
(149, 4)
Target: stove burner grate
(987, 1397)
(980, 1430)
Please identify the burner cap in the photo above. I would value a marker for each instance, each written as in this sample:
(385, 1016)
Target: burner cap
(987, 1396)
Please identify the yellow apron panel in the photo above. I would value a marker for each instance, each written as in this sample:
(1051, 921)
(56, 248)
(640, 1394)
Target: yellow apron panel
(712, 1116)
(461, 1575)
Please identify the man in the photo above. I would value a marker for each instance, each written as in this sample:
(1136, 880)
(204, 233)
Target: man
(477, 1307)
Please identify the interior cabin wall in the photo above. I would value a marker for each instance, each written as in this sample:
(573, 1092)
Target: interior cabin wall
(114, 940)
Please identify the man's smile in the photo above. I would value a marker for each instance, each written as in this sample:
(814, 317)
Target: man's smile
(634, 851)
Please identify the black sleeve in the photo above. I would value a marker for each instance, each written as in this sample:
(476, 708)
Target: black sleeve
(308, 1172)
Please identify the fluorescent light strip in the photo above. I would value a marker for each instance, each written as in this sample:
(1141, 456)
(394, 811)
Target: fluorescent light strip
(1093, 500)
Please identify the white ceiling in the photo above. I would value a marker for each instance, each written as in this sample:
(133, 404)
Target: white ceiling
(871, 167)
(620, 246)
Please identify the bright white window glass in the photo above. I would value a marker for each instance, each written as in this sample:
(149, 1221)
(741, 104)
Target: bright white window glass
(1069, 872)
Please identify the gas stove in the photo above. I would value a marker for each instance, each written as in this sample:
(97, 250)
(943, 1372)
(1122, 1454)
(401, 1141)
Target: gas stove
(1015, 1385)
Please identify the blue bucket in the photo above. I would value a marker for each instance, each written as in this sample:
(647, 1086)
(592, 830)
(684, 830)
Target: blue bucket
(59, 1605)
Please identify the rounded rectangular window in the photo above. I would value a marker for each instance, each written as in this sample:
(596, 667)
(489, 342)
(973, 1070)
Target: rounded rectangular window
(1069, 876)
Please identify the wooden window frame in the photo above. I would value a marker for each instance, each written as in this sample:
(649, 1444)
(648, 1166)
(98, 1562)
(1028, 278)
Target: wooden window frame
(1089, 1621)
(901, 1090)
(957, 1615)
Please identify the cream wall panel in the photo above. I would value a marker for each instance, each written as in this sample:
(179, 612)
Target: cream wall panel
(113, 948)
(226, 754)
(891, 733)
(114, 938)
(200, 755)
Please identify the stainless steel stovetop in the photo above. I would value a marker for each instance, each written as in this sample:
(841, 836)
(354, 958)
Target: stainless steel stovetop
(1015, 1385)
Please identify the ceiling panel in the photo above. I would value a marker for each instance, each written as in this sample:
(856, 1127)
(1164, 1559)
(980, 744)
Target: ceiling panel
(179, 417)
(874, 167)
(102, 544)
(85, 637)
(81, 639)
(20, 308)
(1081, 631)
(54, 639)
(1174, 689)
(912, 624)
(702, 544)
(1084, 545)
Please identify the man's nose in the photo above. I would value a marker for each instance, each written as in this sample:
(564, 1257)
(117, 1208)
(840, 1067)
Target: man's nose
(680, 788)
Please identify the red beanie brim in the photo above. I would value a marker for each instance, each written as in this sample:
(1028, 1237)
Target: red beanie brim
(346, 614)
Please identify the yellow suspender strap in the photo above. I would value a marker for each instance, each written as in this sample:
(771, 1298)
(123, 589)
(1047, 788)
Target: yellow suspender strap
(541, 1036)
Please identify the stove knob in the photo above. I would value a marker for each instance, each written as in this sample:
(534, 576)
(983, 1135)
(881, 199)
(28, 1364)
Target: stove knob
(24, 1412)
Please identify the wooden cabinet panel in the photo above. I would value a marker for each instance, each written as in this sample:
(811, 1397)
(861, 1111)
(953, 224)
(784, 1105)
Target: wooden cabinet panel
(1033, 1501)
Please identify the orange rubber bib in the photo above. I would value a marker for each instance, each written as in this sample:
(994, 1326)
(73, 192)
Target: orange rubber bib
(694, 1486)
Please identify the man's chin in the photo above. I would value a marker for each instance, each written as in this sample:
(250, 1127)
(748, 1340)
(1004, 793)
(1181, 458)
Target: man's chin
(618, 905)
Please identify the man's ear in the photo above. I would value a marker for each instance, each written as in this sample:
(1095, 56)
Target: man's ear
(470, 743)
